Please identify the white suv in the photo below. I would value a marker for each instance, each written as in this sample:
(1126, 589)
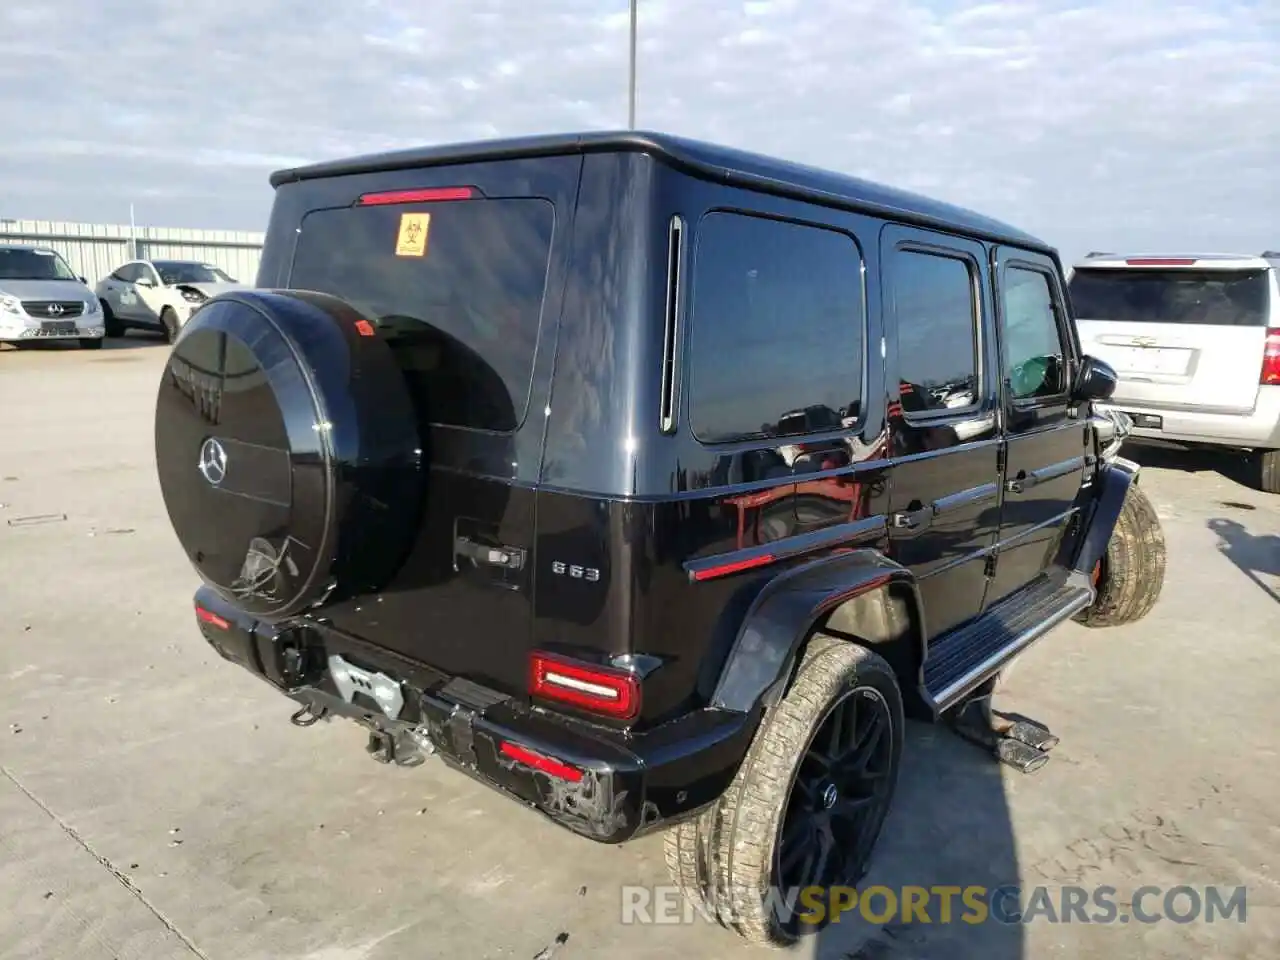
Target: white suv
(159, 295)
(1196, 342)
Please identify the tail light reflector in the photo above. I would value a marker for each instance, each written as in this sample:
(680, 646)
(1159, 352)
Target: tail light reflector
(538, 761)
(429, 195)
(1271, 358)
(211, 618)
(612, 693)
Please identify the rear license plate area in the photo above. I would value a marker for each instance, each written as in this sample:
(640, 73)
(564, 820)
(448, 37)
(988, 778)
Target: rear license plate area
(1167, 361)
(57, 328)
(371, 689)
(1147, 421)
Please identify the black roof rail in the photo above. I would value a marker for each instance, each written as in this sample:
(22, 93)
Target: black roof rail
(1098, 253)
(1271, 254)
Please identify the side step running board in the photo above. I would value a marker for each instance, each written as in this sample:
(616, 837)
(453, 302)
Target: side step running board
(959, 662)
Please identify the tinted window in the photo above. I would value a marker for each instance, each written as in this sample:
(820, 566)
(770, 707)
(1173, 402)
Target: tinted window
(1032, 346)
(128, 273)
(456, 288)
(776, 340)
(1227, 298)
(937, 331)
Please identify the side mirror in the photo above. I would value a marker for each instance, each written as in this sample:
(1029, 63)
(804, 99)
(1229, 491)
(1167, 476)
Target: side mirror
(83, 280)
(1096, 381)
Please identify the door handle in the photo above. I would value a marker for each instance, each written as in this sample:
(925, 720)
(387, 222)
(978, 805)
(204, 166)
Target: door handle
(506, 558)
(912, 519)
(1023, 481)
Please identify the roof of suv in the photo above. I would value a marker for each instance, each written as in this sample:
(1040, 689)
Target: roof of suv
(1211, 261)
(738, 167)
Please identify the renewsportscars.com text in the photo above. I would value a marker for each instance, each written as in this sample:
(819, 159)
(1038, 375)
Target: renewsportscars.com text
(817, 907)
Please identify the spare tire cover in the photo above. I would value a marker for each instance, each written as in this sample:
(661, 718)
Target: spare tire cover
(287, 450)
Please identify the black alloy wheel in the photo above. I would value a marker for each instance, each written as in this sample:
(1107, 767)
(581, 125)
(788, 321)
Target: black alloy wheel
(839, 798)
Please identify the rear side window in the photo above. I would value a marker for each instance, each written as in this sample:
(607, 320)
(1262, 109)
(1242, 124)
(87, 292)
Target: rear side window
(1222, 298)
(455, 287)
(776, 341)
(933, 301)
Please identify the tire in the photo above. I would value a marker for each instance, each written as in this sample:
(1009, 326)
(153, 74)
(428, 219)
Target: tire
(91, 343)
(169, 320)
(335, 520)
(728, 857)
(1269, 471)
(1130, 575)
(112, 327)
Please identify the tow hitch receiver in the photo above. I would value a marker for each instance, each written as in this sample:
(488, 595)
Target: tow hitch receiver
(404, 749)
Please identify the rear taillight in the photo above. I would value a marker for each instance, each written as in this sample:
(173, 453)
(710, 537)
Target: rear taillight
(540, 761)
(211, 618)
(611, 693)
(1271, 357)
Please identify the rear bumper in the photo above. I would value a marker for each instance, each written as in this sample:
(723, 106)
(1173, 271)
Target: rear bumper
(629, 785)
(1259, 428)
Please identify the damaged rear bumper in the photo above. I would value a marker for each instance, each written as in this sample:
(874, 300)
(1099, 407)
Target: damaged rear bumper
(603, 784)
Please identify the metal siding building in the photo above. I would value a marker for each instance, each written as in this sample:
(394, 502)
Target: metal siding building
(95, 249)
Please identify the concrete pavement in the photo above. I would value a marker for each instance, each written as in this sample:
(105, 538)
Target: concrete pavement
(155, 802)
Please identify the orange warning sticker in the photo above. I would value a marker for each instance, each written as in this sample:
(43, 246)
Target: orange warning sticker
(412, 240)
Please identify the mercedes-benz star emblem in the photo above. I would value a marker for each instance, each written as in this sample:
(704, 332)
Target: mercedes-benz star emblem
(213, 462)
(55, 309)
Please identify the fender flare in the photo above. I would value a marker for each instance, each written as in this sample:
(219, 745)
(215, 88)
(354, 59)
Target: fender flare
(783, 614)
(1113, 481)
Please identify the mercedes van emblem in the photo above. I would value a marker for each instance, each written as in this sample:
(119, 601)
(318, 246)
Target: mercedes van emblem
(213, 462)
(54, 309)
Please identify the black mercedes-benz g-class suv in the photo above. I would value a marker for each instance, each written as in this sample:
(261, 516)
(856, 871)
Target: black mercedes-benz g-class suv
(651, 483)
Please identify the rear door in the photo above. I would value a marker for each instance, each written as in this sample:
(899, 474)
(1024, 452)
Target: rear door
(1183, 333)
(944, 424)
(460, 270)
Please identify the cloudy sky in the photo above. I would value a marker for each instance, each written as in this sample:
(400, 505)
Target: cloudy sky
(1093, 123)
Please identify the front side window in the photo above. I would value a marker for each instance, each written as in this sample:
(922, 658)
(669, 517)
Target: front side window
(1034, 357)
(776, 341)
(933, 301)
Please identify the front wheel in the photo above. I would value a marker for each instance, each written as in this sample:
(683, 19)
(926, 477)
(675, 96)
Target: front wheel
(1130, 575)
(112, 327)
(806, 808)
(169, 320)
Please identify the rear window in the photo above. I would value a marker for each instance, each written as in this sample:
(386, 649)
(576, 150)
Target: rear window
(1224, 298)
(455, 287)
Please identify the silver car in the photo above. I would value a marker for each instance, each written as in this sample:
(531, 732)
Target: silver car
(159, 295)
(42, 299)
(1195, 340)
